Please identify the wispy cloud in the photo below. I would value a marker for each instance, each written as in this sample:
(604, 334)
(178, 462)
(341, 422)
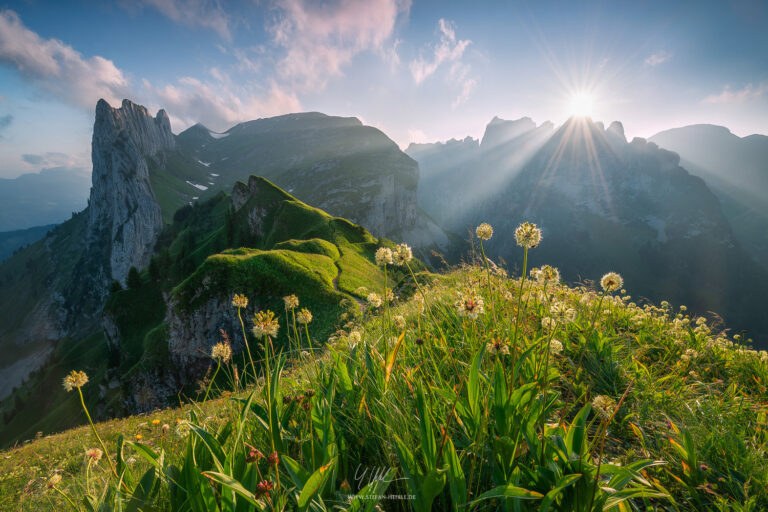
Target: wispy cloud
(747, 93)
(658, 58)
(52, 159)
(319, 40)
(450, 51)
(57, 68)
(195, 13)
(5, 122)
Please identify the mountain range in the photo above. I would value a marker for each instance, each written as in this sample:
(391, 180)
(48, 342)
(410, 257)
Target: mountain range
(137, 286)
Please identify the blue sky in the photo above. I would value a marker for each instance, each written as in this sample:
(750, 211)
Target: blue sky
(420, 71)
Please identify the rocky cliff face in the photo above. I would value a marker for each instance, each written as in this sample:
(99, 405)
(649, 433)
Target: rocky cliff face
(123, 211)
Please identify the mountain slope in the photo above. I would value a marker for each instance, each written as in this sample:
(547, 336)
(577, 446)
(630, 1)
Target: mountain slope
(11, 241)
(736, 168)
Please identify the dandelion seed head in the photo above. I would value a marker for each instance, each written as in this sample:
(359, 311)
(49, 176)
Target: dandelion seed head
(355, 337)
(611, 282)
(374, 300)
(402, 255)
(240, 301)
(548, 323)
(383, 256)
(75, 379)
(265, 324)
(304, 316)
(291, 302)
(555, 346)
(221, 351)
(470, 304)
(399, 321)
(484, 231)
(528, 235)
(94, 454)
(547, 274)
(54, 480)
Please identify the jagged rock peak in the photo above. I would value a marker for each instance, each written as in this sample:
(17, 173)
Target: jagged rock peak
(150, 134)
(499, 131)
(124, 217)
(617, 129)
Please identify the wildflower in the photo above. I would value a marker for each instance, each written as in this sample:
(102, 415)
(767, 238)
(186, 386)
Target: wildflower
(265, 324)
(182, 428)
(240, 301)
(76, 379)
(384, 256)
(306, 406)
(138, 437)
(263, 488)
(165, 428)
(94, 454)
(220, 351)
(399, 322)
(470, 304)
(54, 480)
(361, 290)
(611, 282)
(555, 346)
(291, 301)
(254, 455)
(484, 231)
(304, 316)
(604, 405)
(273, 459)
(528, 235)
(402, 255)
(355, 337)
(374, 300)
(689, 354)
(548, 323)
(389, 296)
(547, 274)
(497, 347)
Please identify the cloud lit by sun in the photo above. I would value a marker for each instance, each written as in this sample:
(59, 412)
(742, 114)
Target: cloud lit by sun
(581, 104)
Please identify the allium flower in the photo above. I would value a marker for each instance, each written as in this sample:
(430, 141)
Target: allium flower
(94, 454)
(221, 351)
(399, 322)
(548, 274)
(484, 231)
(291, 301)
(265, 324)
(555, 346)
(611, 282)
(374, 300)
(304, 316)
(54, 480)
(402, 255)
(528, 235)
(76, 379)
(470, 304)
(548, 323)
(383, 256)
(497, 347)
(240, 301)
(604, 405)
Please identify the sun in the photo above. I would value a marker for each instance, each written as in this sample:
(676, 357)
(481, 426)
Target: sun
(581, 104)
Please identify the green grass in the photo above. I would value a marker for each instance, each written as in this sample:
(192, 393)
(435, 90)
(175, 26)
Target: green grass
(634, 408)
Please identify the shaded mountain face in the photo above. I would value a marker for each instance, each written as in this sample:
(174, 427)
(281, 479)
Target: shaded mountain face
(48, 197)
(11, 241)
(606, 204)
(736, 168)
(457, 175)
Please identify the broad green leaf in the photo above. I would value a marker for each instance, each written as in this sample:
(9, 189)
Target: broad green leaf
(232, 484)
(508, 491)
(363, 501)
(457, 483)
(562, 484)
(314, 484)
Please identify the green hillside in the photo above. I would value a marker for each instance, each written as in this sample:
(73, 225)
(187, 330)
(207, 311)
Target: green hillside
(471, 390)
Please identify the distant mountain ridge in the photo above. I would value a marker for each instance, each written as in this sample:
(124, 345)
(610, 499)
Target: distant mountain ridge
(736, 168)
(603, 204)
(48, 197)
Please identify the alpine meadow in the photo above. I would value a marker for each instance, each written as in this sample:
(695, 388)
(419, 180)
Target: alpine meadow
(273, 256)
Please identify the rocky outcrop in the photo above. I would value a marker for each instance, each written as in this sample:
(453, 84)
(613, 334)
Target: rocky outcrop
(123, 211)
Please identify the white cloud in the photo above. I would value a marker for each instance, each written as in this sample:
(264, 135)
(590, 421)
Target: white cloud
(218, 106)
(657, 58)
(747, 93)
(58, 68)
(416, 136)
(448, 49)
(195, 13)
(320, 39)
